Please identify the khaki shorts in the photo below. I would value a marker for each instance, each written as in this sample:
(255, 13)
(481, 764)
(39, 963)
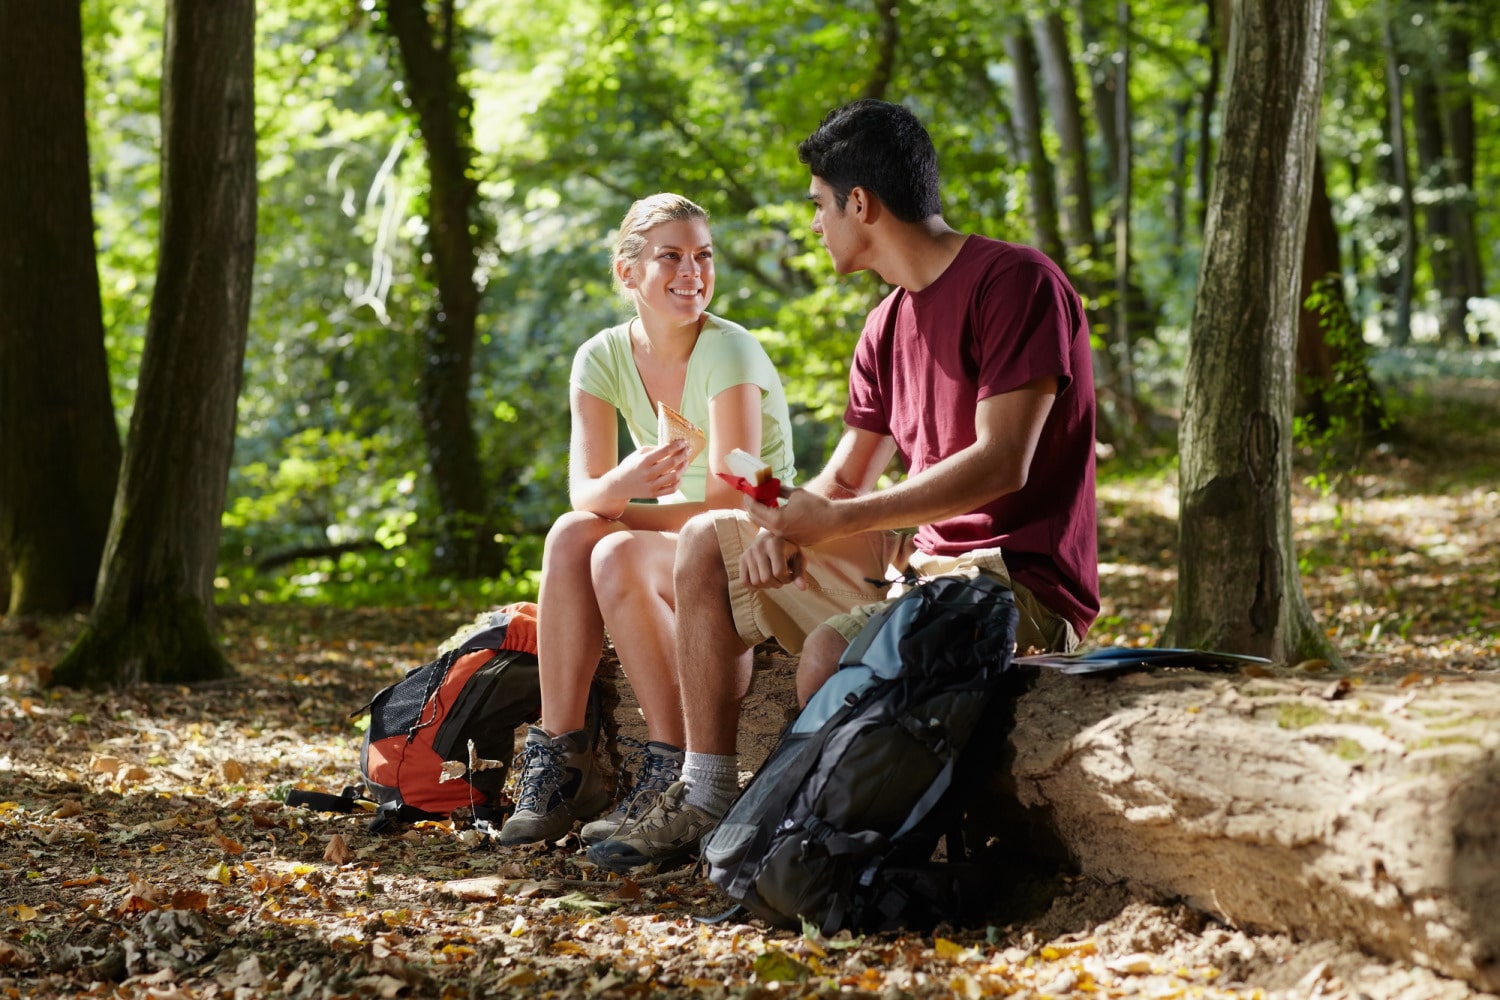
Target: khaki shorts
(850, 579)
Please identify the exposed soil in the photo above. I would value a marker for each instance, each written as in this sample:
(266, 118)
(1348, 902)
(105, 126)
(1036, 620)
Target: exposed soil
(145, 849)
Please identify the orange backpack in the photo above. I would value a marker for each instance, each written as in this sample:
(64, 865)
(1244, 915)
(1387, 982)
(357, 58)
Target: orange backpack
(442, 737)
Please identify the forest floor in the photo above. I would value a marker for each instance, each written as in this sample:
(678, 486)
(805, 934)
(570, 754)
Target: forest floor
(145, 850)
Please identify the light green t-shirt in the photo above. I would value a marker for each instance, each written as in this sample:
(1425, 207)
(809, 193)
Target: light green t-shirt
(726, 355)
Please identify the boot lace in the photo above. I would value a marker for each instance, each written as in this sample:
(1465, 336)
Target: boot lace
(540, 766)
(654, 772)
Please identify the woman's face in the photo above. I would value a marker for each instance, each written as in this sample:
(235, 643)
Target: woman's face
(674, 277)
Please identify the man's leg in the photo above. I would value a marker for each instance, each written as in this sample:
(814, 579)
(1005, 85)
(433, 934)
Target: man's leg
(819, 661)
(714, 665)
(719, 620)
(713, 660)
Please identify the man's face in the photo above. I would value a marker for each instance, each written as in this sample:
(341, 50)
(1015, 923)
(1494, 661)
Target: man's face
(840, 231)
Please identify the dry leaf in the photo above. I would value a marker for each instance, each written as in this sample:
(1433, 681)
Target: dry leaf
(105, 765)
(628, 891)
(232, 771)
(452, 770)
(67, 809)
(338, 850)
(135, 773)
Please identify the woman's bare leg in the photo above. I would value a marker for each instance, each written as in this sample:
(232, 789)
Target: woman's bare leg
(570, 628)
(632, 581)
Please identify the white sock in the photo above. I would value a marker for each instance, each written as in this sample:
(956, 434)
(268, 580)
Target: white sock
(713, 781)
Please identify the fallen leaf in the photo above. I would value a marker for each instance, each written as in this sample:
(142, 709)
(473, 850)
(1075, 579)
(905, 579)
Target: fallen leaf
(67, 809)
(338, 850)
(90, 879)
(629, 891)
(105, 765)
(779, 967)
(232, 771)
(452, 770)
(14, 957)
(20, 912)
(582, 903)
(190, 899)
(473, 889)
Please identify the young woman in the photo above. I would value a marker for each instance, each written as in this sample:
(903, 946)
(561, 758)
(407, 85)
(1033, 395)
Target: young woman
(607, 565)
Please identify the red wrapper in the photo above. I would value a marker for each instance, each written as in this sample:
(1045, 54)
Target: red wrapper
(766, 493)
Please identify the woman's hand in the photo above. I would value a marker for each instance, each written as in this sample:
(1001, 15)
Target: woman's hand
(652, 472)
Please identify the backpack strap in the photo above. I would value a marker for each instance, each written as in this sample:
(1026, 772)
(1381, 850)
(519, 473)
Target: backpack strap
(346, 801)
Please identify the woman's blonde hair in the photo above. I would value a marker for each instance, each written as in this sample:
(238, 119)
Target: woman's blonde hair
(646, 214)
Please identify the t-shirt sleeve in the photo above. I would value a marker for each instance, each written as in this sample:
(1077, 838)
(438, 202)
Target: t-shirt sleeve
(592, 371)
(739, 358)
(1028, 317)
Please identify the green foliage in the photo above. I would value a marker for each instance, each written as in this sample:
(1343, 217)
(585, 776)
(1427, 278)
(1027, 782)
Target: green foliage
(581, 106)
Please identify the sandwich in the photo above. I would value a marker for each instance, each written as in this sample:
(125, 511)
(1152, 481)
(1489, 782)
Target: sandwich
(751, 477)
(747, 467)
(673, 426)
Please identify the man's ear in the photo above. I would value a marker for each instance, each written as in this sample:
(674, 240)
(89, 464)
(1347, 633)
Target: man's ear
(863, 204)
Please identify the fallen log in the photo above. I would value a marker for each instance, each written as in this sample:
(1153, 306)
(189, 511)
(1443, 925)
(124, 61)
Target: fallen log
(1367, 813)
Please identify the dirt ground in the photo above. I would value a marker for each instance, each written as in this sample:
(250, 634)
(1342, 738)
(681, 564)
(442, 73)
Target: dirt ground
(146, 851)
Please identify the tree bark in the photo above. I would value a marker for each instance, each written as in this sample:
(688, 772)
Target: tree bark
(1333, 371)
(59, 446)
(1400, 166)
(1238, 588)
(152, 619)
(429, 55)
(1310, 807)
(1039, 175)
(1124, 299)
(1062, 94)
(1442, 248)
(1458, 118)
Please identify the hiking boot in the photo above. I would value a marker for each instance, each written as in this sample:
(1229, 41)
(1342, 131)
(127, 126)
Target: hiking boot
(660, 765)
(669, 830)
(557, 785)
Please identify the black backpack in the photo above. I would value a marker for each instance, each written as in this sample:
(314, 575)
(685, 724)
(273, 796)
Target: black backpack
(840, 825)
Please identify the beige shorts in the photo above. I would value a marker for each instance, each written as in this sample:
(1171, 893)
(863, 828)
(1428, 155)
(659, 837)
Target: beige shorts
(851, 579)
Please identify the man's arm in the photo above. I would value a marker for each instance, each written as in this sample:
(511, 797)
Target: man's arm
(1007, 428)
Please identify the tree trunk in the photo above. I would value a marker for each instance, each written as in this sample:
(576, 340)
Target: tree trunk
(1027, 113)
(1400, 167)
(429, 55)
(1062, 95)
(1103, 76)
(1124, 299)
(59, 446)
(1333, 371)
(1432, 167)
(1309, 807)
(1216, 38)
(1238, 588)
(152, 619)
(1458, 121)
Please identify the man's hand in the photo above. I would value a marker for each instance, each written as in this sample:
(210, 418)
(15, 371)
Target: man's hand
(770, 562)
(803, 518)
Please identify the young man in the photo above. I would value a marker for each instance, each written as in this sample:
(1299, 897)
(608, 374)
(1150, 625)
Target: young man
(976, 370)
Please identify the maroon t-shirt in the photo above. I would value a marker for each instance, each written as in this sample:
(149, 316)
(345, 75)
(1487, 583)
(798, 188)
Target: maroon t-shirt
(1000, 316)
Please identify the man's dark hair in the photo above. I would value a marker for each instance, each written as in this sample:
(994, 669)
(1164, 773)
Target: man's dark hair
(881, 147)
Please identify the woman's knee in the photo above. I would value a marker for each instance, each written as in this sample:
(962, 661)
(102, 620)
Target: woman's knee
(626, 563)
(573, 537)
